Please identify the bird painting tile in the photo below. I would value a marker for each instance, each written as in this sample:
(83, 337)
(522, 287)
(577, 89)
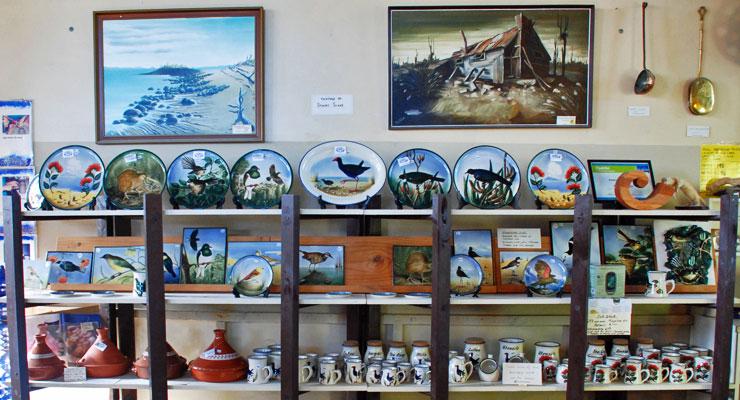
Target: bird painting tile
(115, 265)
(321, 265)
(479, 245)
(563, 245)
(69, 267)
(203, 255)
(270, 251)
(412, 265)
(632, 246)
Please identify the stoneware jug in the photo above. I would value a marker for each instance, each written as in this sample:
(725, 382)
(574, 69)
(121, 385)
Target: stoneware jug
(103, 360)
(459, 370)
(43, 364)
(219, 362)
(176, 365)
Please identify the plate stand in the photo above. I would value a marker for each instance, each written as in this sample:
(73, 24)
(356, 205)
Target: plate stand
(363, 205)
(558, 294)
(239, 205)
(176, 206)
(461, 203)
(238, 295)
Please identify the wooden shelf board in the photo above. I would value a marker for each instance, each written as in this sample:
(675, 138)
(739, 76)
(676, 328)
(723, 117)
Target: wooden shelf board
(339, 387)
(592, 387)
(510, 299)
(80, 214)
(478, 386)
(398, 300)
(318, 299)
(223, 212)
(219, 298)
(83, 298)
(402, 388)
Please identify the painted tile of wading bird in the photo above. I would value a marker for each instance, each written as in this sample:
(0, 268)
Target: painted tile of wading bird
(321, 265)
(466, 275)
(684, 250)
(250, 276)
(342, 172)
(203, 255)
(260, 178)
(71, 177)
(69, 267)
(512, 264)
(561, 235)
(416, 175)
(486, 67)
(412, 265)
(545, 275)
(198, 179)
(270, 251)
(556, 177)
(486, 177)
(632, 246)
(131, 175)
(479, 245)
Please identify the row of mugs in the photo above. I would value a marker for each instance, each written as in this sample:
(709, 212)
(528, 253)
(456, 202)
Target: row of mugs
(638, 370)
(645, 347)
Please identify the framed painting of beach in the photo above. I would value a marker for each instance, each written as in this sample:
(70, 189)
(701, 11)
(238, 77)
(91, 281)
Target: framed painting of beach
(166, 76)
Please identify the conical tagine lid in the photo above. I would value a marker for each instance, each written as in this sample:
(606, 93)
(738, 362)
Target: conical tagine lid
(103, 359)
(43, 364)
(219, 362)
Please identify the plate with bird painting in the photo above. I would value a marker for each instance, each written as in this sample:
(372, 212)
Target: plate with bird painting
(131, 175)
(72, 177)
(342, 172)
(545, 275)
(251, 276)
(34, 198)
(466, 275)
(198, 179)
(486, 177)
(260, 178)
(556, 177)
(416, 175)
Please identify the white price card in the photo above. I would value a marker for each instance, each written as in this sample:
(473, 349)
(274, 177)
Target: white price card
(242, 129)
(522, 374)
(638, 111)
(565, 120)
(697, 130)
(332, 104)
(516, 238)
(75, 374)
(609, 317)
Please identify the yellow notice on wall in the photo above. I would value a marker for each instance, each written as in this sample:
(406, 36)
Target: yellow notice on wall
(718, 161)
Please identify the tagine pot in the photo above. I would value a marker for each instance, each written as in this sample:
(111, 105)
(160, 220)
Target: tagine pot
(176, 365)
(219, 362)
(43, 364)
(103, 359)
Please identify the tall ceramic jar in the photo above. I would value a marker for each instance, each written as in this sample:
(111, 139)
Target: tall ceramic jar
(420, 352)
(397, 351)
(597, 347)
(475, 350)
(620, 348)
(43, 364)
(374, 349)
(350, 348)
(103, 359)
(644, 343)
(219, 362)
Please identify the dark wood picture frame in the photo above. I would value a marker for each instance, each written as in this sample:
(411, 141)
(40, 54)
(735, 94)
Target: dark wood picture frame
(614, 203)
(256, 81)
(629, 289)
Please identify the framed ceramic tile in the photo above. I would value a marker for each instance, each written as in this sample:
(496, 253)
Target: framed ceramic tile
(36, 273)
(69, 267)
(633, 247)
(321, 265)
(203, 255)
(510, 264)
(412, 265)
(115, 265)
(685, 250)
(270, 251)
(561, 237)
(477, 243)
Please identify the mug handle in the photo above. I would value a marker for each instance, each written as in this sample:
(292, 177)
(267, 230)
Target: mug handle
(689, 374)
(664, 372)
(613, 375)
(370, 378)
(673, 285)
(427, 376)
(468, 371)
(306, 373)
(267, 374)
(643, 372)
(400, 376)
(336, 375)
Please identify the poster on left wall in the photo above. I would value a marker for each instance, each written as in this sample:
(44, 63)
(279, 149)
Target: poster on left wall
(16, 138)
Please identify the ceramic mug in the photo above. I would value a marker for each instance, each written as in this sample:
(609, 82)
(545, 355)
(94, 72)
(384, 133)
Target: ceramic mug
(374, 373)
(546, 351)
(422, 374)
(703, 351)
(420, 352)
(657, 373)
(634, 374)
(392, 376)
(688, 356)
(650, 354)
(670, 358)
(305, 372)
(510, 348)
(328, 372)
(313, 362)
(658, 284)
(561, 375)
(338, 358)
(616, 363)
(459, 370)
(354, 370)
(680, 345)
(139, 283)
(452, 353)
(406, 368)
(680, 373)
(703, 369)
(549, 370)
(603, 374)
(592, 360)
(275, 360)
(670, 349)
(259, 369)
(374, 349)
(475, 350)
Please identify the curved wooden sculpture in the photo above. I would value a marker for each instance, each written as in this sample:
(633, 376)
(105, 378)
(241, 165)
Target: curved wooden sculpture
(661, 195)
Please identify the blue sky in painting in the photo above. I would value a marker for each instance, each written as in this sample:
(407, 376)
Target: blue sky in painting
(562, 232)
(193, 42)
(480, 240)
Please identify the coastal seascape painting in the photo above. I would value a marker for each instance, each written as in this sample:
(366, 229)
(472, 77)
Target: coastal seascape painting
(185, 76)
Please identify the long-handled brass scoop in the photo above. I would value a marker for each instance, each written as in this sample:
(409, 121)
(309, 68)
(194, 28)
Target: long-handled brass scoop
(701, 90)
(646, 80)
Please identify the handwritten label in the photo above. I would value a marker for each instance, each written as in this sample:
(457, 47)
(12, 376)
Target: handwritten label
(68, 153)
(565, 120)
(518, 238)
(129, 158)
(717, 161)
(199, 155)
(522, 374)
(101, 346)
(638, 111)
(403, 161)
(697, 130)
(241, 129)
(75, 374)
(256, 157)
(332, 104)
(607, 317)
(340, 150)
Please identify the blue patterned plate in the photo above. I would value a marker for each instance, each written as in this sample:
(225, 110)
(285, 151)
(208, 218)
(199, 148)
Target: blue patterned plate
(260, 178)
(198, 179)
(72, 177)
(556, 177)
(486, 177)
(545, 275)
(415, 175)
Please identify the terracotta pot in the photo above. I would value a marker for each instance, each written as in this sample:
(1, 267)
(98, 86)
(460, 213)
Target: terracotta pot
(219, 362)
(176, 365)
(103, 359)
(43, 364)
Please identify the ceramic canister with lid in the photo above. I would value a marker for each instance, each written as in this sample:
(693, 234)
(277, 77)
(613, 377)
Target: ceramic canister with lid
(350, 348)
(620, 348)
(644, 343)
(475, 350)
(546, 350)
(374, 349)
(219, 362)
(103, 359)
(397, 351)
(596, 346)
(43, 364)
(420, 352)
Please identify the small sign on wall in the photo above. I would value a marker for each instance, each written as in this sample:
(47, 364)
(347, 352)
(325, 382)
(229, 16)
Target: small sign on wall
(332, 104)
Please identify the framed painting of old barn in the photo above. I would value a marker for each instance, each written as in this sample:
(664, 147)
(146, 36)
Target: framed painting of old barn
(179, 76)
(490, 67)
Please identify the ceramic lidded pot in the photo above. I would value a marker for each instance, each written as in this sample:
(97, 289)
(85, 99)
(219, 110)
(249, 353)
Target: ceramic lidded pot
(43, 364)
(103, 359)
(176, 365)
(219, 362)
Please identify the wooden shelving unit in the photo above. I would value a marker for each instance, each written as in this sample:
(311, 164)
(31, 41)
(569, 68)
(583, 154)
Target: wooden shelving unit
(362, 310)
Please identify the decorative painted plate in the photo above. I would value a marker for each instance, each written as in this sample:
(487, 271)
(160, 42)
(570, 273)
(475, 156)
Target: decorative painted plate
(556, 177)
(342, 172)
(198, 179)
(339, 295)
(251, 276)
(34, 198)
(466, 275)
(486, 177)
(545, 275)
(131, 175)
(260, 178)
(72, 177)
(415, 175)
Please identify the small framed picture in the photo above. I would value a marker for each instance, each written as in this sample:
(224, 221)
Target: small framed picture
(477, 243)
(69, 266)
(561, 237)
(604, 175)
(632, 246)
(203, 255)
(510, 264)
(321, 265)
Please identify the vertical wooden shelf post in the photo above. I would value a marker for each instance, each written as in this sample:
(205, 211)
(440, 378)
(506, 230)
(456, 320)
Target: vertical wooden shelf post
(725, 296)
(441, 235)
(155, 306)
(579, 297)
(289, 290)
(16, 301)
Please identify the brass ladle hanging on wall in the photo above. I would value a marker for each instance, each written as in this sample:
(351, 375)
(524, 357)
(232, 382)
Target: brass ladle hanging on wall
(701, 90)
(646, 80)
